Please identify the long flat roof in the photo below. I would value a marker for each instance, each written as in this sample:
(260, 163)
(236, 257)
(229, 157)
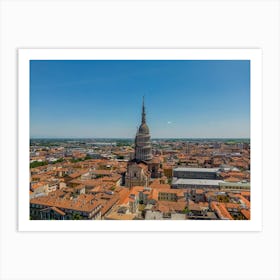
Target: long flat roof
(197, 182)
(196, 169)
(235, 184)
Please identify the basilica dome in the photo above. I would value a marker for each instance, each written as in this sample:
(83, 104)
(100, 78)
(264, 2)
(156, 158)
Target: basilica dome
(144, 129)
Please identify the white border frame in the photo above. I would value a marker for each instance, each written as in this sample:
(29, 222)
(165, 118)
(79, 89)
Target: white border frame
(254, 55)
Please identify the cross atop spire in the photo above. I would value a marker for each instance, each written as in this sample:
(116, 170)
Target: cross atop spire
(143, 112)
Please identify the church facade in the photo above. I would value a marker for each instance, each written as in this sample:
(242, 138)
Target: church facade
(143, 166)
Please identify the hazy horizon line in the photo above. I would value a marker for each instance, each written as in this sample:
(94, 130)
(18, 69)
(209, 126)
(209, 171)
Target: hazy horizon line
(45, 137)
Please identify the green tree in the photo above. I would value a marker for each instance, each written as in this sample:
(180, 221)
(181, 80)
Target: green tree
(186, 211)
(35, 164)
(77, 216)
(87, 157)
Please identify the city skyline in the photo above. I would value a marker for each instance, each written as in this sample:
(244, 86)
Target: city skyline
(102, 99)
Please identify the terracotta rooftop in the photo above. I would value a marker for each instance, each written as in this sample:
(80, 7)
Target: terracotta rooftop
(246, 213)
(85, 203)
(102, 172)
(117, 216)
(244, 200)
(106, 206)
(78, 174)
(170, 206)
(232, 180)
(58, 211)
(221, 211)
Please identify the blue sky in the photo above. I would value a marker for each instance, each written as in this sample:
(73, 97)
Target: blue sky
(195, 99)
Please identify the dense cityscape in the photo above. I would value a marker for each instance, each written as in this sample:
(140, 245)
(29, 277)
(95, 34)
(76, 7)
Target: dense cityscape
(140, 179)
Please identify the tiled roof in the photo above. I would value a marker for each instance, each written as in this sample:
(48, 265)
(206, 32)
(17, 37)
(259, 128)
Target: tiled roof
(170, 206)
(58, 211)
(246, 213)
(221, 211)
(84, 203)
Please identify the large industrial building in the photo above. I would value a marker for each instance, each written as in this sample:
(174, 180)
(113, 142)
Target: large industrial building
(184, 178)
(195, 183)
(196, 173)
(203, 178)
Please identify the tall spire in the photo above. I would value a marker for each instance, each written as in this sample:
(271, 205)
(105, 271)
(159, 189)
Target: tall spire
(143, 147)
(143, 112)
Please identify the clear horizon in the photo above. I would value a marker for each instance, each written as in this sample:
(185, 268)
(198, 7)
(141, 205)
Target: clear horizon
(98, 99)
